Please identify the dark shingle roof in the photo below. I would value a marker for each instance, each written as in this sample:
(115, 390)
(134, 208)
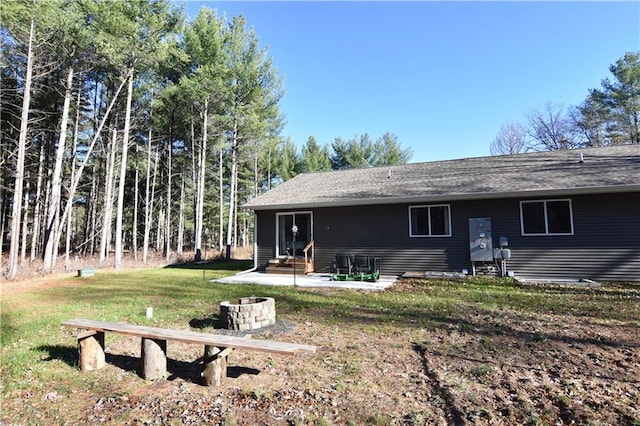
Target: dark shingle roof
(608, 169)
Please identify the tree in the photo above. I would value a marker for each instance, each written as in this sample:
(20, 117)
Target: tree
(621, 97)
(19, 164)
(610, 115)
(510, 140)
(203, 87)
(29, 38)
(133, 36)
(360, 151)
(549, 129)
(266, 154)
(352, 153)
(70, 43)
(203, 42)
(254, 90)
(69, 114)
(388, 152)
(591, 121)
(287, 161)
(314, 158)
(149, 200)
(340, 154)
(107, 203)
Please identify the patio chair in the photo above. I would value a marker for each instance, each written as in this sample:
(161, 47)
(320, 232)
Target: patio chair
(342, 264)
(362, 264)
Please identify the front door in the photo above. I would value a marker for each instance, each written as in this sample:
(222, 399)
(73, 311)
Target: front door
(285, 245)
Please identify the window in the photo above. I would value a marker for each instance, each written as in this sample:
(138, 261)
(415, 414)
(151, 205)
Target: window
(546, 217)
(429, 221)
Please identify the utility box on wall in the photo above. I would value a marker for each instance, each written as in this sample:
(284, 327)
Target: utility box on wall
(480, 239)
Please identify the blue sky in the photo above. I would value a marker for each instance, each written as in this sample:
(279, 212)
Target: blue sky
(442, 76)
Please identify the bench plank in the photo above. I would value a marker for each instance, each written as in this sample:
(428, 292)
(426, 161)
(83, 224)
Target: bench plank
(187, 336)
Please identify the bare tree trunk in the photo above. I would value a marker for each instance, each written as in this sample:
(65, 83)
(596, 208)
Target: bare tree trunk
(134, 230)
(245, 233)
(19, 173)
(235, 215)
(74, 184)
(149, 199)
(69, 216)
(47, 195)
(159, 229)
(52, 232)
(123, 174)
(93, 216)
(74, 151)
(2, 221)
(167, 244)
(221, 200)
(255, 174)
(25, 221)
(269, 169)
(67, 241)
(232, 188)
(194, 178)
(201, 178)
(35, 232)
(180, 242)
(107, 203)
(94, 182)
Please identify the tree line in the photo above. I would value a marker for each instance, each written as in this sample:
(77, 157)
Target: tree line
(356, 152)
(610, 115)
(127, 128)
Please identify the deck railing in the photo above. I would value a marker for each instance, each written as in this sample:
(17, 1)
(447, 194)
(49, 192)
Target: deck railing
(308, 260)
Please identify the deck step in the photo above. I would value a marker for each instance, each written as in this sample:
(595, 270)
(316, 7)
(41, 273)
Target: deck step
(286, 266)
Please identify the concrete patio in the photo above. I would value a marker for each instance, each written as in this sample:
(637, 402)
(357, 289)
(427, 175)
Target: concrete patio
(311, 280)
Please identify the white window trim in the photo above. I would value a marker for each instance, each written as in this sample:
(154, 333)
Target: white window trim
(278, 214)
(546, 218)
(428, 206)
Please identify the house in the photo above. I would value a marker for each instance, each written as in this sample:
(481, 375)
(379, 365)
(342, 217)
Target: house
(571, 214)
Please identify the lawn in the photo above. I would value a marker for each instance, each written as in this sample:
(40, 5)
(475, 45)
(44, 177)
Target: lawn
(484, 351)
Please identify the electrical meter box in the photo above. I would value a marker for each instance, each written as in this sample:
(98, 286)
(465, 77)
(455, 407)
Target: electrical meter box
(480, 239)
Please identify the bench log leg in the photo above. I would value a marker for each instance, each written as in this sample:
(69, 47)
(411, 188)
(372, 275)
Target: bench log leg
(154, 358)
(215, 365)
(91, 350)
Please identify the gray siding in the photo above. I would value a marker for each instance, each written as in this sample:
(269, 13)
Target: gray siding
(605, 245)
(266, 237)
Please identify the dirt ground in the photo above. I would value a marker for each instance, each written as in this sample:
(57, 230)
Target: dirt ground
(491, 369)
(30, 276)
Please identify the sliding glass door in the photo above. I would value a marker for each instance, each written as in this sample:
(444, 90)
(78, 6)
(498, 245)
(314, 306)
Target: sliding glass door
(284, 233)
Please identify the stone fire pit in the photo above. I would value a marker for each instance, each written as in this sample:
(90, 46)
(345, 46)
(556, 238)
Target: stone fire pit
(249, 314)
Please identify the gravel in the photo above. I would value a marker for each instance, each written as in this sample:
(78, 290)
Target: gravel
(280, 327)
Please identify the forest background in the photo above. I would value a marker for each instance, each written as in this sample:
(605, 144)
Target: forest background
(127, 130)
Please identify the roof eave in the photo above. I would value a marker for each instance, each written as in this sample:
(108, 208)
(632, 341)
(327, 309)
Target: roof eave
(449, 197)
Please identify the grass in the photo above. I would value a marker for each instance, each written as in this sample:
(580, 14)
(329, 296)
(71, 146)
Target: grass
(37, 355)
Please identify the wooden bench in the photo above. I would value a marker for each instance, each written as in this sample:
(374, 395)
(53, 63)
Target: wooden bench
(154, 347)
